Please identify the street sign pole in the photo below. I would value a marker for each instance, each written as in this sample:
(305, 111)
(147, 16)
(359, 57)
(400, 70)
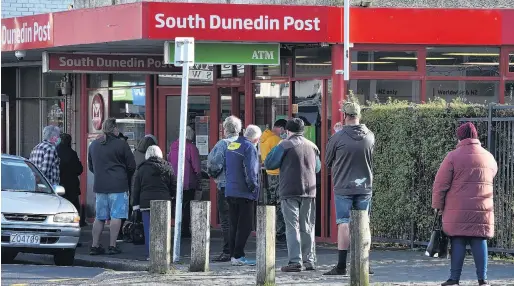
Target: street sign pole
(184, 56)
(346, 64)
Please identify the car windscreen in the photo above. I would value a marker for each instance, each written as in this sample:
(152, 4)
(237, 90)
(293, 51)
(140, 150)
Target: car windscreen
(22, 176)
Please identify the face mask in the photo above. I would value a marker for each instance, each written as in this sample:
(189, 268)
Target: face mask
(283, 135)
(58, 141)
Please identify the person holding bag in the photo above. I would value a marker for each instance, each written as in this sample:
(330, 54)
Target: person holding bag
(154, 180)
(463, 195)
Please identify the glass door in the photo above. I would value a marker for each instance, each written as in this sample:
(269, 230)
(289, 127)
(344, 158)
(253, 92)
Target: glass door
(198, 118)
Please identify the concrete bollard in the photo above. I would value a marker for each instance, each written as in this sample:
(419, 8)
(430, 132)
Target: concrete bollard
(360, 243)
(265, 245)
(160, 236)
(200, 236)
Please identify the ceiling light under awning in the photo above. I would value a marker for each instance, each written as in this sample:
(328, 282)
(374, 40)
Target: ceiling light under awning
(415, 58)
(472, 54)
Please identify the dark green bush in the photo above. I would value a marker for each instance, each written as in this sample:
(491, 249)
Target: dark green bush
(411, 142)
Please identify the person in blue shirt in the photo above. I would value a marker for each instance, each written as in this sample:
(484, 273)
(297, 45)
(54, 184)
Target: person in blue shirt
(242, 190)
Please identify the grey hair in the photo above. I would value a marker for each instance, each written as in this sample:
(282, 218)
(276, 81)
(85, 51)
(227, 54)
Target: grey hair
(232, 126)
(109, 125)
(51, 131)
(153, 151)
(253, 132)
(190, 133)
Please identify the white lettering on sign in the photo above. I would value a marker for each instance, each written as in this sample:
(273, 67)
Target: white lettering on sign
(215, 22)
(263, 55)
(26, 34)
(95, 62)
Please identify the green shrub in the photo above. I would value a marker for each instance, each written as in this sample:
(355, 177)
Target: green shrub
(411, 142)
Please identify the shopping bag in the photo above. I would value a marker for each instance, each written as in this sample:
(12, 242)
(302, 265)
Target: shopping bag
(438, 244)
(133, 230)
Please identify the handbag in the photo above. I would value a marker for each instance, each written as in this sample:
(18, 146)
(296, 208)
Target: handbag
(133, 230)
(438, 244)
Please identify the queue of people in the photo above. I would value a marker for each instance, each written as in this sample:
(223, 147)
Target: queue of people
(462, 191)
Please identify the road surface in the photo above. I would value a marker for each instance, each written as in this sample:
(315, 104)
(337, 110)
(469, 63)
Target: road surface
(22, 274)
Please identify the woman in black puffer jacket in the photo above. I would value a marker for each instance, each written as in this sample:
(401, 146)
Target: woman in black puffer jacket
(154, 180)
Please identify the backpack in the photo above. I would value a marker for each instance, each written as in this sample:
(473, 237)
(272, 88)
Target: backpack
(213, 171)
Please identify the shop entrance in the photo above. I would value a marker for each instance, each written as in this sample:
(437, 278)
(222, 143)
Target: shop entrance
(5, 124)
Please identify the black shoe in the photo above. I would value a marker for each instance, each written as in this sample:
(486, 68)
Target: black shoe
(482, 282)
(309, 266)
(224, 257)
(337, 271)
(99, 250)
(371, 272)
(113, 250)
(450, 282)
(292, 267)
(79, 244)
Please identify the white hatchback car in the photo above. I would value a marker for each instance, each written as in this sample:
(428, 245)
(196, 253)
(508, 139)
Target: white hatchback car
(35, 218)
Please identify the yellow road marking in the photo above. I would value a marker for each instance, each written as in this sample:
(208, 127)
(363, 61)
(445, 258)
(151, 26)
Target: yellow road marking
(19, 285)
(65, 279)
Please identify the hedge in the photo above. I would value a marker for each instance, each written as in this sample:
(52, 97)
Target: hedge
(411, 142)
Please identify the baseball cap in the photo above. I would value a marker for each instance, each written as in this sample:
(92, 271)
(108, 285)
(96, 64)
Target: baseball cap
(351, 108)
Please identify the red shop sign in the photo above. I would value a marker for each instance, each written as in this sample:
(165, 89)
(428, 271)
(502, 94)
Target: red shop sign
(97, 63)
(29, 32)
(257, 23)
(97, 111)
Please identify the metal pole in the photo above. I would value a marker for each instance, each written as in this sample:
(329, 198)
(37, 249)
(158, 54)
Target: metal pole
(346, 31)
(181, 158)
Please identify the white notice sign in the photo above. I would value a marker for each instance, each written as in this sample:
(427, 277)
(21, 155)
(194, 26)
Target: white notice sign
(202, 143)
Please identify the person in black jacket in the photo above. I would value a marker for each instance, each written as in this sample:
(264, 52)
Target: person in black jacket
(154, 180)
(70, 170)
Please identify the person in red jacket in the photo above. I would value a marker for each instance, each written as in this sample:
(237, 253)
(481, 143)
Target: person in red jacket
(463, 194)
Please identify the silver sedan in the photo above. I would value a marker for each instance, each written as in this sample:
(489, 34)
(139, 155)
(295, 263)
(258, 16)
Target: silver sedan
(35, 218)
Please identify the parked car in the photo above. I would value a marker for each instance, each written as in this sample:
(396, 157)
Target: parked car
(35, 218)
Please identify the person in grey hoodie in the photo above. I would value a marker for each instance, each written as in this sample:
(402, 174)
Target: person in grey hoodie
(349, 153)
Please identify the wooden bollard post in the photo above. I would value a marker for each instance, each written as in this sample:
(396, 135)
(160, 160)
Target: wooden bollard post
(265, 245)
(360, 242)
(160, 236)
(200, 235)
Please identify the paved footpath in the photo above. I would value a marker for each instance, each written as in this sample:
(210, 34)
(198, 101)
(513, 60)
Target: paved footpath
(394, 267)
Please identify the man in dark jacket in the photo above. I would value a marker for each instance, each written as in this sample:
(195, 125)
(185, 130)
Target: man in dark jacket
(349, 154)
(242, 190)
(70, 170)
(298, 160)
(112, 163)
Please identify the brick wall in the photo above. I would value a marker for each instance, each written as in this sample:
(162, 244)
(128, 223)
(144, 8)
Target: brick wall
(15, 8)
(375, 3)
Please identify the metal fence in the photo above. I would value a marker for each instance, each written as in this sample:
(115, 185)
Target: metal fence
(500, 142)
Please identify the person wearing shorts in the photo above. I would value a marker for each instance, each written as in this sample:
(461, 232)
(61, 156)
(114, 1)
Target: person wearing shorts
(112, 163)
(349, 154)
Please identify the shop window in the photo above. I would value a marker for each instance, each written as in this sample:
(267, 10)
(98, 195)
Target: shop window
(97, 80)
(52, 84)
(226, 107)
(125, 80)
(266, 72)
(464, 61)
(313, 62)
(509, 92)
(30, 84)
(240, 70)
(402, 61)
(511, 62)
(198, 75)
(471, 91)
(53, 112)
(380, 90)
(30, 130)
(271, 103)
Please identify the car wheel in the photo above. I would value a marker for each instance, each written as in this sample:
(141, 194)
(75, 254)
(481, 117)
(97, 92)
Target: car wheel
(8, 256)
(64, 257)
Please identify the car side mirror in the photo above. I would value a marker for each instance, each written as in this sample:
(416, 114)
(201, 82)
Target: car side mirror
(59, 190)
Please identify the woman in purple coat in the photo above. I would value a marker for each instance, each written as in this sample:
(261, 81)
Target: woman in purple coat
(192, 176)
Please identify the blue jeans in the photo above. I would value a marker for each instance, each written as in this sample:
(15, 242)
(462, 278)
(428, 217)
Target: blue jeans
(458, 252)
(146, 226)
(345, 204)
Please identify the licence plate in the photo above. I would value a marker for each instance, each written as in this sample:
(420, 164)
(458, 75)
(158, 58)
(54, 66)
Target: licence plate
(28, 239)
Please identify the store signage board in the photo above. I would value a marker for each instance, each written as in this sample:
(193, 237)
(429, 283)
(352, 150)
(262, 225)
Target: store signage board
(29, 32)
(108, 63)
(229, 53)
(255, 23)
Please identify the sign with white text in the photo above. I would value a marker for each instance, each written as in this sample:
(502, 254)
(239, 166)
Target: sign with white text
(257, 23)
(29, 32)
